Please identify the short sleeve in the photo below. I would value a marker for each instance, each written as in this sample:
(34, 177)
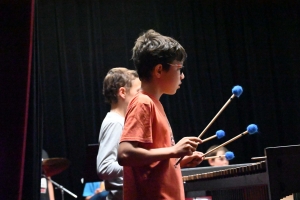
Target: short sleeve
(138, 123)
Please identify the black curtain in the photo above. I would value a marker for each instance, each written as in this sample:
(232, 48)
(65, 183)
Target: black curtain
(254, 44)
(15, 66)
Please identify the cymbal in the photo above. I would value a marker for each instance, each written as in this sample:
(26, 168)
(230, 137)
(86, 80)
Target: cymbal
(53, 166)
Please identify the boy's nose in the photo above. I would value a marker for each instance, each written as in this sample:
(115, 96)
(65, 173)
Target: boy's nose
(182, 76)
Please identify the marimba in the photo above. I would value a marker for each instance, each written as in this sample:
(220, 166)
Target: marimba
(272, 179)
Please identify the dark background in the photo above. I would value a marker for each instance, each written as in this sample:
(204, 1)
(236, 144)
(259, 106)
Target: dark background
(253, 43)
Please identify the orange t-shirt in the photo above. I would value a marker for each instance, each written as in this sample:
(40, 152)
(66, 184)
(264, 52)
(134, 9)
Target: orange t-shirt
(146, 123)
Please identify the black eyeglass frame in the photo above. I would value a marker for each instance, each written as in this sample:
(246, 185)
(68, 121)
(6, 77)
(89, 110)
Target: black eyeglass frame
(178, 65)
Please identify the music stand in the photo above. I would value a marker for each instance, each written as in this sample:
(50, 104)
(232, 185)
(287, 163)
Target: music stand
(90, 171)
(283, 168)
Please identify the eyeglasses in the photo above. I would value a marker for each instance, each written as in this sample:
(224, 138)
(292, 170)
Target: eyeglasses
(178, 65)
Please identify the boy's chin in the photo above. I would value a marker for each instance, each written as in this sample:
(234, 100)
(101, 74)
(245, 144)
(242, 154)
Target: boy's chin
(171, 93)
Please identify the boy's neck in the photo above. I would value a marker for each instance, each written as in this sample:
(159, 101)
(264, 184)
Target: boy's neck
(119, 109)
(152, 89)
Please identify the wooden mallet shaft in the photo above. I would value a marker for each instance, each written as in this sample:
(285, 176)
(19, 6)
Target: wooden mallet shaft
(209, 138)
(217, 115)
(225, 143)
(259, 158)
(211, 157)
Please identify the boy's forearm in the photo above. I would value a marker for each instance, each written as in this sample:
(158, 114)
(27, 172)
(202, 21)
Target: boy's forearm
(129, 155)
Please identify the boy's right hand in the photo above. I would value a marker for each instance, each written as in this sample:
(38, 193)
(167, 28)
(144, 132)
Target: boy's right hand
(186, 146)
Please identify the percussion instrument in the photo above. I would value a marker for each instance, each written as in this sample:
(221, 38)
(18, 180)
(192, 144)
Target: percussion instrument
(53, 166)
(272, 179)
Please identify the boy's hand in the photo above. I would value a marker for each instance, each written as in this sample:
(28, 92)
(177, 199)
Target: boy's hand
(98, 190)
(186, 146)
(193, 160)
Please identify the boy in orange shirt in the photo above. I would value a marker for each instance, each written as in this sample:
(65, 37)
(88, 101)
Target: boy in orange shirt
(147, 149)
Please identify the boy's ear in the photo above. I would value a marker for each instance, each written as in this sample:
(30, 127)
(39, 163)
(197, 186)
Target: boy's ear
(122, 92)
(158, 70)
(211, 162)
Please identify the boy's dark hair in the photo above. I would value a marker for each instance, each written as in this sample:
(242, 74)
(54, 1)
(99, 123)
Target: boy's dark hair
(214, 153)
(116, 78)
(152, 48)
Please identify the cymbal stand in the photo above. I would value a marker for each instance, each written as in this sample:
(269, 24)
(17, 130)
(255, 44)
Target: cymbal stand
(62, 189)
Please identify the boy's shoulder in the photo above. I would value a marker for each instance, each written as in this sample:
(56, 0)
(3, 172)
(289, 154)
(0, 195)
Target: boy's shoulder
(142, 97)
(112, 118)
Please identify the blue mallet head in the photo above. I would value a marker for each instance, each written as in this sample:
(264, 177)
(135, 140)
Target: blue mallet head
(220, 134)
(252, 128)
(237, 90)
(229, 155)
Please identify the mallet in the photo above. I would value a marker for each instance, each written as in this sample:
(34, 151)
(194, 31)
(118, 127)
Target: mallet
(219, 134)
(251, 129)
(236, 92)
(229, 155)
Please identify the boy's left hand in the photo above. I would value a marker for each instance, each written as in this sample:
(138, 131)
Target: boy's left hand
(192, 160)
